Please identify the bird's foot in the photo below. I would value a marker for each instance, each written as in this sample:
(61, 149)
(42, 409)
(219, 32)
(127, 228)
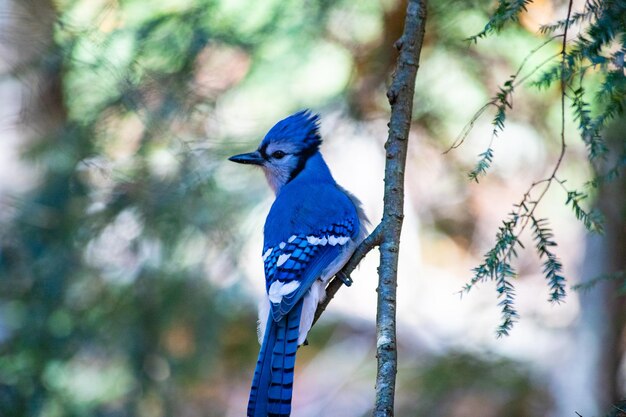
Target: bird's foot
(345, 279)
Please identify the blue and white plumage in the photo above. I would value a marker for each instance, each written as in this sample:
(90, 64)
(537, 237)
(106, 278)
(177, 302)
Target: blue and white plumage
(310, 232)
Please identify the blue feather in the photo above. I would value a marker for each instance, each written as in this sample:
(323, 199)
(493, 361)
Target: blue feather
(272, 385)
(301, 128)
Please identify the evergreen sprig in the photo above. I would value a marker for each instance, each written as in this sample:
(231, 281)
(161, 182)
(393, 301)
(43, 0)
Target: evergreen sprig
(589, 131)
(496, 266)
(592, 219)
(591, 50)
(605, 29)
(547, 78)
(590, 10)
(598, 48)
(611, 174)
(507, 11)
(482, 165)
(502, 101)
(612, 93)
(552, 266)
(506, 292)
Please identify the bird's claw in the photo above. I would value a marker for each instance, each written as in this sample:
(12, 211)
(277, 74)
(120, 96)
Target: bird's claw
(345, 279)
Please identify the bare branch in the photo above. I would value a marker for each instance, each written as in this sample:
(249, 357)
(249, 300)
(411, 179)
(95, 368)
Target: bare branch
(400, 95)
(387, 233)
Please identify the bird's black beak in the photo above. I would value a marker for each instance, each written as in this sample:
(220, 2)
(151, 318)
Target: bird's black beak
(252, 158)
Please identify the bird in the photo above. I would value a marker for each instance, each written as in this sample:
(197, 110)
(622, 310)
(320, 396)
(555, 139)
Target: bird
(312, 229)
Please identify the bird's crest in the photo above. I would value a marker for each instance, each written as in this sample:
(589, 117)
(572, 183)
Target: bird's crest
(300, 129)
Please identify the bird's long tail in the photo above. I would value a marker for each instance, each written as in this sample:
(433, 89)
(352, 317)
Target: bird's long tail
(272, 385)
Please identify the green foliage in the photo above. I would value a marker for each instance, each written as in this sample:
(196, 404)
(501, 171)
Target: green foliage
(597, 50)
(497, 267)
(497, 262)
(589, 131)
(610, 174)
(501, 103)
(551, 76)
(593, 52)
(585, 15)
(592, 220)
(117, 269)
(507, 11)
(483, 164)
(552, 267)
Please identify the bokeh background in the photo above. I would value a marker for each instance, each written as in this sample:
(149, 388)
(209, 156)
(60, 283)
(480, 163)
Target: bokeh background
(130, 247)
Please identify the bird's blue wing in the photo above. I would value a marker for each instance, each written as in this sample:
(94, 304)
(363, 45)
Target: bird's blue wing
(291, 267)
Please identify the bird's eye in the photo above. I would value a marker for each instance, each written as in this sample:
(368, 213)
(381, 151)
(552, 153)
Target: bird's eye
(278, 154)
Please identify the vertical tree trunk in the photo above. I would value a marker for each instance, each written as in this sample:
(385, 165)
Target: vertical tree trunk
(612, 202)
(593, 383)
(400, 96)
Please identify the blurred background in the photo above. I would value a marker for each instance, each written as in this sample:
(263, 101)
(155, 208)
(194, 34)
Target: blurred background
(130, 248)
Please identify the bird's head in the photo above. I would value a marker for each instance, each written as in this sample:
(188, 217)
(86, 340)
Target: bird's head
(285, 149)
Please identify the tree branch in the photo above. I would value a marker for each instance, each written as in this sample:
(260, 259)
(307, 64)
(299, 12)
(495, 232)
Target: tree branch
(400, 95)
(334, 284)
(387, 233)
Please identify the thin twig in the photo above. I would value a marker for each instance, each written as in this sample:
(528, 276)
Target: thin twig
(469, 126)
(548, 181)
(532, 52)
(520, 81)
(553, 177)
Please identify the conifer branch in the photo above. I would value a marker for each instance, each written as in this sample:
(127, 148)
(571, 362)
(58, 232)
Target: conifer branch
(504, 97)
(496, 265)
(507, 11)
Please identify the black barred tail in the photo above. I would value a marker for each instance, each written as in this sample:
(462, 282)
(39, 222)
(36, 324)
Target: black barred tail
(272, 385)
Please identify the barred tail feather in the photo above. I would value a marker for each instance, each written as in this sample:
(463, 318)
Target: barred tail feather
(257, 402)
(272, 385)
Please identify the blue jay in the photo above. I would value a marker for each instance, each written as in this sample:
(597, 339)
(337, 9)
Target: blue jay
(310, 232)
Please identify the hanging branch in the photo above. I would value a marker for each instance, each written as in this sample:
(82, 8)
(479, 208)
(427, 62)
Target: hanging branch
(497, 261)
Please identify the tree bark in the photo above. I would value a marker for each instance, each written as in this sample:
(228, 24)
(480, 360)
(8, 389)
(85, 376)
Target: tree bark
(400, 95)
(387, 234)
(612, 202)
(593, 385)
